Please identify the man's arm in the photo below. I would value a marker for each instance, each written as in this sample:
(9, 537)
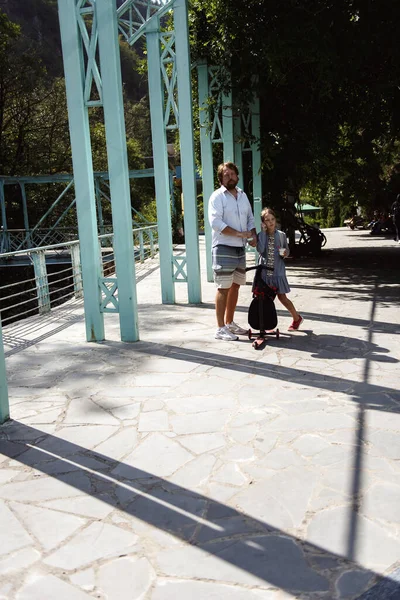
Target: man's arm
(241, 234)
(253, 235)
(217, 223)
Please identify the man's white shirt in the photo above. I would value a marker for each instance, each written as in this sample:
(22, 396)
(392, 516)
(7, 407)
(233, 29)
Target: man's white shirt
(226, 210)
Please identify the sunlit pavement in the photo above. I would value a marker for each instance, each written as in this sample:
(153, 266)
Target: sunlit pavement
(185, 467)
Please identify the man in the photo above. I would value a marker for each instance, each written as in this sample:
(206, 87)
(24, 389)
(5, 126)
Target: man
(395, 210)
(232, 223)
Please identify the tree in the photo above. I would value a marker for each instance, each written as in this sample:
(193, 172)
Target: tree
(34, 132)
(327, 75)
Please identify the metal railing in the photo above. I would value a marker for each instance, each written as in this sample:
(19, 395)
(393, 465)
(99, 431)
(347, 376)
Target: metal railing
(61, 211)
(43, 286)
(14, 239)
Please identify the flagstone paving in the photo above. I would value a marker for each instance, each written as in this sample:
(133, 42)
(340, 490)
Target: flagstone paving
(183, 467)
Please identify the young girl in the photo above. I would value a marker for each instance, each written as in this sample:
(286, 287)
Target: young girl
(273, 247)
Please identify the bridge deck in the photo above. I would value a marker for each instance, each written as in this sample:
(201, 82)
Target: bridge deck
(186, 467)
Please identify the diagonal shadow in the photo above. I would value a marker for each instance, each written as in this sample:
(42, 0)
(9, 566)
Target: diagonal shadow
(372, 396)
(379, 326)
(320, 346)
(24, 333)
(257, 551)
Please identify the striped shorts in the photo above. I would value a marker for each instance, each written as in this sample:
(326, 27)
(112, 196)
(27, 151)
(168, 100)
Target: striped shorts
(229, 264)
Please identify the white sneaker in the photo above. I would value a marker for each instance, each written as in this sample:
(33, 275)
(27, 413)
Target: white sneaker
(223, 333)
(234, 328)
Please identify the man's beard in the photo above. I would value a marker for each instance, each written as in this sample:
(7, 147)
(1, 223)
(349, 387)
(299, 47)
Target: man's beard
(231, 184)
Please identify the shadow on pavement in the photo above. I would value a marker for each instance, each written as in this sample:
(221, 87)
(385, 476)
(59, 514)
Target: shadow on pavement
(258, 552)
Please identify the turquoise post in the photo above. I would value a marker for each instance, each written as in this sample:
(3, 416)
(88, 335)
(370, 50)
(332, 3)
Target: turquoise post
(255, 149)
(141, 246)
(83, 168)
(237, 129)
(187, 150)
(42, 282)
(207, 165)
(76, 270)
(118, 168)
(257, 213)
(161, 173)
(257, 206)
(227, 128)
(4, 403)
(151, 242)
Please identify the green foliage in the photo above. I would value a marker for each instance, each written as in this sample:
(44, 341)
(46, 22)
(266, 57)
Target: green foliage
(149, 211)
(327, 76)
(326, 73)
(34, 133)
(200, 211)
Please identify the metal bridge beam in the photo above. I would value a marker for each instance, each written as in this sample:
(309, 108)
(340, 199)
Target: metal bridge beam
(83, 167)
(4, 403)
(187, 150)
(256, 157)
(207, 165)
(160, 158)
(118, 168)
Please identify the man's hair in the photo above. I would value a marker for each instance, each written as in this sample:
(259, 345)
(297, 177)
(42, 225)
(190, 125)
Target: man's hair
(267, 211)
(226, 165)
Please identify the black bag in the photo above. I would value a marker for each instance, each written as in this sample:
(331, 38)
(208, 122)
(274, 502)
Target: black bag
(262, 312)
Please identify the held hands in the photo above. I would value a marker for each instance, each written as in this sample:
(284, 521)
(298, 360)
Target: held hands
(251, 239)
(249, 235)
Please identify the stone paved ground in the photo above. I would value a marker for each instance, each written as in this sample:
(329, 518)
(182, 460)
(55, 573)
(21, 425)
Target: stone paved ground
(185, 467)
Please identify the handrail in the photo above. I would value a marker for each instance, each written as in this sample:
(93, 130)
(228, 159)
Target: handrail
(63, 244)
(39, 249)
(49, 289)
(13, 239)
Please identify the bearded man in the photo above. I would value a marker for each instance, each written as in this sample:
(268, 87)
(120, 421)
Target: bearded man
(232, 222)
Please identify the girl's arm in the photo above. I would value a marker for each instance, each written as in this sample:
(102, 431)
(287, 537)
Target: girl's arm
(284, 243)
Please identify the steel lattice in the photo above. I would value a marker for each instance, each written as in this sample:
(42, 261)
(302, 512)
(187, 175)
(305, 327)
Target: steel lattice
(86, 18)
(134, 16)
(215, 92)
(169, 75)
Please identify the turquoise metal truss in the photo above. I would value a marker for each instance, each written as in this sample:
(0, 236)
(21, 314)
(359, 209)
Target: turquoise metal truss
(170, 77)
(87, 22)
(237, 132)
(95, 76)
(215, 104)
(109, 302)
(4, 402)
(135, 17)
(179, 263)
(50, 229)
(171, 105)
